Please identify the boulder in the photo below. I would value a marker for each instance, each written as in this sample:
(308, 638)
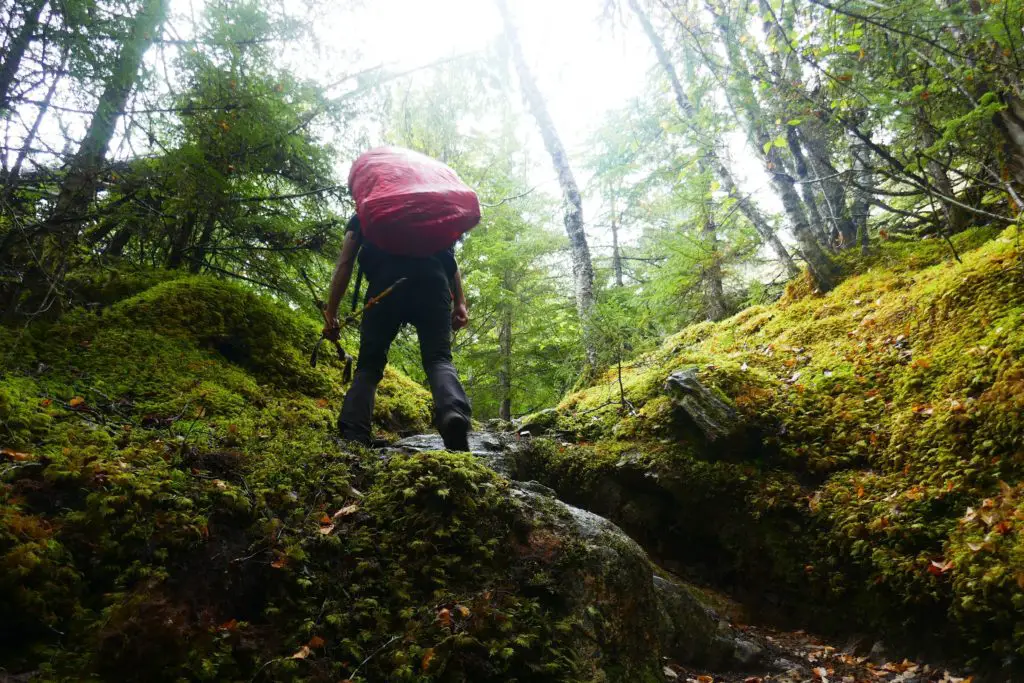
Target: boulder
(715, 417)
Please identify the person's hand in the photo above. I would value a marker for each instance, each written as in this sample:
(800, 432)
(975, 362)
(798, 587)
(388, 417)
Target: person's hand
(460, 316)
(332, 329)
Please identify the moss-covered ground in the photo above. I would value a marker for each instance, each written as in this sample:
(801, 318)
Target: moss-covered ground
(173, 506)
(878, 477)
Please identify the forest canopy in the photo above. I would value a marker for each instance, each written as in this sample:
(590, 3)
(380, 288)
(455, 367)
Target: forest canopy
(764, 143)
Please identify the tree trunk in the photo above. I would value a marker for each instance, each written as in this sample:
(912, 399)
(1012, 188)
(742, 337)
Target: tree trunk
(182, 241)
(1010, 121)
(204, 243)
(505, 365)
(806, 188)
(12, 177)
(833, 192)
(714, 292)
(957, 217)
(616, 254)
(861, 197)
(19, 44)
(746, 206)
(823, 270)
(79, 185)
(582, 266)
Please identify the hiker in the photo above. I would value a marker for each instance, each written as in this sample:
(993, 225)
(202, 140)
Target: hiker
(425, 300)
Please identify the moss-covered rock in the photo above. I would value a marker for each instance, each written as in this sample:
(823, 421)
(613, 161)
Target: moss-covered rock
(884, 413)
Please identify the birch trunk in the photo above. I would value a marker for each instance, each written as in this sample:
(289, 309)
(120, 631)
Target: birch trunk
(582, 266)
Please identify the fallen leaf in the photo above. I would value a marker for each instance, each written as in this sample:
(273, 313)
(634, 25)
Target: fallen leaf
(940, 568)
(303, 652)
(324, 519)
(220, 484)
(445, 617)
(428, 657)
(323, 403)
(346, 511)
(753, 679)
(975, 547)
(229, 625)
(821, 673)
(45, 403)
(76, 402)
(705, 679)
(325, 530)
(15, 455)
(279, 562)
(463, 611)
(316, 641)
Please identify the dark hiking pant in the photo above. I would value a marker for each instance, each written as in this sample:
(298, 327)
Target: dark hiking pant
(423, 301)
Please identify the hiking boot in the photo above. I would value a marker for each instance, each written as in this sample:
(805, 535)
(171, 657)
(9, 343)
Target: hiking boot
(454, 430)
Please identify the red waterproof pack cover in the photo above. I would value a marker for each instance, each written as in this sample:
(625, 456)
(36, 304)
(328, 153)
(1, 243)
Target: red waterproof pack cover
(410, 204)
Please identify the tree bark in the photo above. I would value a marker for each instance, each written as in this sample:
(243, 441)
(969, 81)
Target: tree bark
(711, 279)
(745, 205)
(833, 192)
(861, 207)
(20, 43)
(616, 254)
(582, 266)
(806, 188)
(79, 185)
(505, 365)
(15, 174)
(823, 270)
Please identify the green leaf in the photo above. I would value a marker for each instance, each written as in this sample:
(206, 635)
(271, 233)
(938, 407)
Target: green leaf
(794, 122)
(767, 146)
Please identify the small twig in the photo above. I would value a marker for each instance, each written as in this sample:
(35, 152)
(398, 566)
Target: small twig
(372, 655)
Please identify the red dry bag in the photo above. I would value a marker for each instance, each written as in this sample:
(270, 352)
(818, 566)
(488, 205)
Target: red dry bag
(410, 204)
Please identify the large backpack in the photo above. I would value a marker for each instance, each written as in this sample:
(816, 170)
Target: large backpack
(410, 204)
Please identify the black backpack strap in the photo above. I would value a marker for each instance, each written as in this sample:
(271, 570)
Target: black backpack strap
(359, 284)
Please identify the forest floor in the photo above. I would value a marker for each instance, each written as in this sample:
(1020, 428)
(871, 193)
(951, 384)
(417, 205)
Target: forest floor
(799, 657)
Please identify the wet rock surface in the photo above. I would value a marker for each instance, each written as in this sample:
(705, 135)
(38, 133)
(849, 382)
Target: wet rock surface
(637, 622)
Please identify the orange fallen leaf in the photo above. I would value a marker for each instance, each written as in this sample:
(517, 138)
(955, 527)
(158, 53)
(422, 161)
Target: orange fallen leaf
(15, 455)
(821, 673)
(316, 641)
(463, 611)
(753, 679)
(229, 625)
(705, 679)
(428, 657)
(445, 617)
(302, 653)
(279, 562)
(45, 403)
(324, 519)
(76, 402)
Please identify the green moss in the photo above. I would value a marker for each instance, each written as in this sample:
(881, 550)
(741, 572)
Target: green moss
(886, 408)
